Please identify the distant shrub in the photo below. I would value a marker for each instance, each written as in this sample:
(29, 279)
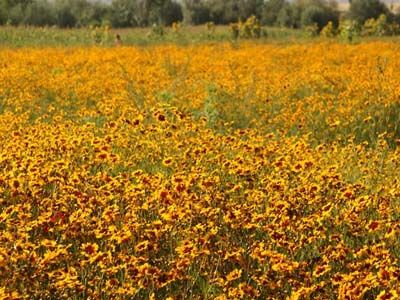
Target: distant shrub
(157, 30)
(328, 31)
(251, 28)
(100, 34)
(210, 27)
(376, 27)
(234, 27)
(176, 27)
(362, 10)
(319, 15)
(311, 30)
(394, 28)
(348, 29)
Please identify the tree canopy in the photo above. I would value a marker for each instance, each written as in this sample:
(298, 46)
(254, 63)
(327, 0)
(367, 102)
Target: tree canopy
(129, 13)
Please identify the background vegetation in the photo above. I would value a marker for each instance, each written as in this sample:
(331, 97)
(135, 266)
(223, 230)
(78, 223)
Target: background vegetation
(140, 13)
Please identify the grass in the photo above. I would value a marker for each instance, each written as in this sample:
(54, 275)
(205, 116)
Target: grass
(22, 37)
(51, 36)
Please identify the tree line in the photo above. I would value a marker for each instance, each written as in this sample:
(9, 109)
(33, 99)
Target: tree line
(132, 13)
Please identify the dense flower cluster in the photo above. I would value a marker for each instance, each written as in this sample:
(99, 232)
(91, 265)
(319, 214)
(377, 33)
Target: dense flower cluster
(201, 172)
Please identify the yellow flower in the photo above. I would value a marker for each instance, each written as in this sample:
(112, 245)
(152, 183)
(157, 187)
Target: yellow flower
(167, 162)
(89, 249)
(321, 270)
(388, 295)
(235, 274)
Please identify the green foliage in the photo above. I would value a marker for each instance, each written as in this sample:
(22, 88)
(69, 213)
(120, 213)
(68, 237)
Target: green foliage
(328, 31)
(220, 12)
(15, 15)
(160, 12)
(312, 29)
(171, 12)
(80, 13)
(368, 17)
(251, 28)
(376, 27)
(210, 26)
(195, 12)
(271, 11)
(157, 31)
(318, 14)
(289, 16)
(362, 10)
(224, 12)
(377, 121)
(64, 14)
(100, 35)
(91, 13)
(122, 13)
(39, 13)
(235, 30)
(348, 30)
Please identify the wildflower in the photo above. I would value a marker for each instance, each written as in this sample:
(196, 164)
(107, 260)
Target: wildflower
(387, 295)
(235, 274)
(167, 162)
(89, 249)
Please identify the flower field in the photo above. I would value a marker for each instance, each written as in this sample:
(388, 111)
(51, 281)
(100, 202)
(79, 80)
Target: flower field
(210, 171)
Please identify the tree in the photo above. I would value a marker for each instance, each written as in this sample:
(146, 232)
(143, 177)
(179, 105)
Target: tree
(16, 14)
(362, 10)
(159, 12)
(64, 14)
(122, 13)
(171, 12)
(319, 14)
(289, 16)
(271, 11)
(88, 12)
(13, 11)
(248, 8)
(39, 13)
(3, 12)
(142, 12)
(223, 12)
(195, 12)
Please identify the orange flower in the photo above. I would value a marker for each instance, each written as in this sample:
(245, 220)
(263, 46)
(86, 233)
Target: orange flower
(235, 274)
